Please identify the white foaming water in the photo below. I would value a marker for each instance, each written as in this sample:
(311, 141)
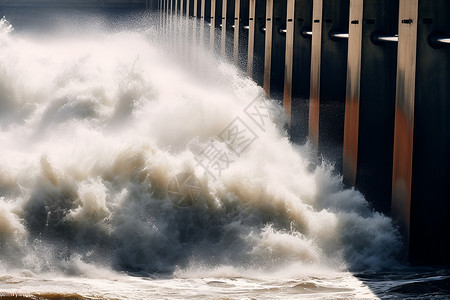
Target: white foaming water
(94, 126)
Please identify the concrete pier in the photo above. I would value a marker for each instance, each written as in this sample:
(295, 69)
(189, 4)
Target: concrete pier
(429, 188)
(256, 40)
(369, 122)
(297, 68)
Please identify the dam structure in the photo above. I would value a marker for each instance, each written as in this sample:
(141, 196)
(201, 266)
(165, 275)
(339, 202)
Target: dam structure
(366, 82)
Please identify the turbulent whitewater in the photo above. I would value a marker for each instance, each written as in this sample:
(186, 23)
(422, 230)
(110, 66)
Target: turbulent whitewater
(95, 123)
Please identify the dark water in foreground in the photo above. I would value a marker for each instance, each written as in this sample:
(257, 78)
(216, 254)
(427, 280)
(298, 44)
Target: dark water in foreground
(401, 285)
(100, 111)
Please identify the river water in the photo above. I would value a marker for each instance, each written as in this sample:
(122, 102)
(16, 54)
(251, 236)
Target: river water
(137, 164)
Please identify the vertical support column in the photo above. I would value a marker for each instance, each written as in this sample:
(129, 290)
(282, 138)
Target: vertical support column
(376, 105)
(251, 37)
(162, 16)
(301, 71)
(160, 10)
(223, 37)
(213, 24)
(171, 44)
(268, 46)
(175, 23)
(430, 196)
(194, 24)
(404, 114)
(333, 72)
(165, 15)
(237, 10)
(289, 58)
(202, 9)
(256, 56)
(314, 98)
(187, 30)
(202, 21)
(242, 46)
(351, 123)
(181, 7)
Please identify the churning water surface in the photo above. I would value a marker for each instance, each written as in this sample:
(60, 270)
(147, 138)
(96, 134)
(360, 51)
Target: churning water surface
(99, 114)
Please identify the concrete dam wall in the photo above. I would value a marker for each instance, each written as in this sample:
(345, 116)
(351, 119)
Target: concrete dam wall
(367, 83)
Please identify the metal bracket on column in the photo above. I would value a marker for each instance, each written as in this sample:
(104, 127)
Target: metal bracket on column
(351, 123)
(314, 98)
(404, 114)
(289, 58)
(268, 46)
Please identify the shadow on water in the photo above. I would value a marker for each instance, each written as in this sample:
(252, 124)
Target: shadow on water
(409, 283)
